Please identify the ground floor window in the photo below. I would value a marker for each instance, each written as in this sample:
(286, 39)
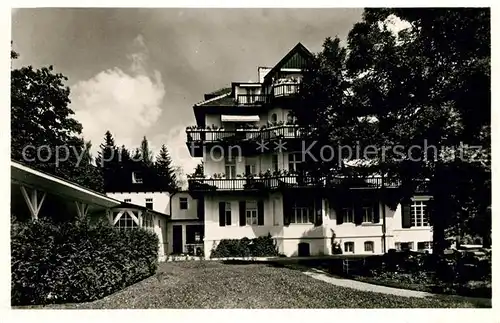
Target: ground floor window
(424, 245)
(404, 245)
(194, 234)
(349, 247)
(369, 246)
(126, 222)
(251, 213)
(147, 221)
(419, 214)
(348, 215)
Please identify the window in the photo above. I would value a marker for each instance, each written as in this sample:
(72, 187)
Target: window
(348, 215)
(149, 203)
(419, 214)
(369, 246)
(274, 162)
(194, 233)
(126, 222)
(404, 245)
(424, 245)
(230, 167)
(250, 166)
(228, 213)
(136, 177)
(251, 213)
(302, 212)
(274, 117)
(289, 118)
(349, 247)
(147, 221)
(159, 223)
(183, 203)
(294, 159)
(368, 215)
(127, 200)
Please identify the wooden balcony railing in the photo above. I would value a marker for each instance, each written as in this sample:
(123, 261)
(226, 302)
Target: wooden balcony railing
(267, 134)
(285, 89)
(251, 99)
(291, 181)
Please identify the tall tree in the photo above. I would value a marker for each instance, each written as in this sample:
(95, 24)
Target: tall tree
(165, 170)
(44, 134)
(146, 154)
(412, 88)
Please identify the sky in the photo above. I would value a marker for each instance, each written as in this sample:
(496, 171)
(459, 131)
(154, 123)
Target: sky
(138, 72)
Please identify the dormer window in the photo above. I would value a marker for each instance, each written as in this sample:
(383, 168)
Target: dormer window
(136, 177)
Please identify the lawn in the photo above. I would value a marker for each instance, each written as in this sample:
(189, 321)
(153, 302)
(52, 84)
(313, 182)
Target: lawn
(207, 284)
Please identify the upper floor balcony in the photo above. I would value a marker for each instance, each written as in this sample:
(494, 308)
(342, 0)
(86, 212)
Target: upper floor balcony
(284, 179)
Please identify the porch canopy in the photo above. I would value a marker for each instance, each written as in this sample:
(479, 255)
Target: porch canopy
(239, 118)
(39, 189)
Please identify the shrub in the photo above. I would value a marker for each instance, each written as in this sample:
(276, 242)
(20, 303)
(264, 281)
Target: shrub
(77, 262)
(258, 247)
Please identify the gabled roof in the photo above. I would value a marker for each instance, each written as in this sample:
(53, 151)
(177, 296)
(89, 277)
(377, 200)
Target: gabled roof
(299, 49)
(217, 93)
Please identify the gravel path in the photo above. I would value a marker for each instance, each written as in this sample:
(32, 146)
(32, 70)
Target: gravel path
(349, 283)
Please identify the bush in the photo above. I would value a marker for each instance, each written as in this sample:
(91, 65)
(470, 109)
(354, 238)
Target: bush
(77, 262)
(258, 247)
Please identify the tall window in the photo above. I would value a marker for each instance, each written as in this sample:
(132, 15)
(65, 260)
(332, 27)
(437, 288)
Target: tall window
(227, 214)
(147, 221)
(183, 203)
(349, 247)
(250, 166)
(294, 160)
(149, 203)
(230, 167)
(419, 214)
(275, 211)
(348, 215)
(368, 214)
(302, 212)
(274, 118)
(369, 246)
(251, 212)
(274, 162)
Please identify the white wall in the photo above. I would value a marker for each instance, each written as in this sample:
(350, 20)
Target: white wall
(160, 228)
(179, 214)
(160, 199)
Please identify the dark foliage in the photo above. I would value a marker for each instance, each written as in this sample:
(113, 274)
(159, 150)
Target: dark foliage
(258, 247)
(77, 262)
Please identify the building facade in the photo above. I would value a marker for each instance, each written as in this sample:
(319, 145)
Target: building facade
(253, 184)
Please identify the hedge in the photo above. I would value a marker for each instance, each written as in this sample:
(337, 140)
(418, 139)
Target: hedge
(77, 262)
(257, 247)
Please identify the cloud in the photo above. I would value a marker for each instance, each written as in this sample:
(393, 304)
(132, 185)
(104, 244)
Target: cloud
(127, 103)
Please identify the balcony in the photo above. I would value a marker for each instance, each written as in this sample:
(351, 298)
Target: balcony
(285, 89)
(250, 184)
(251, 99)
(291, 181)
(251, 134)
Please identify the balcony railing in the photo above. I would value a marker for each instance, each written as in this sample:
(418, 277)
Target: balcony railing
(252, 99)
(291, 181)
(285, 89)
(267, 134)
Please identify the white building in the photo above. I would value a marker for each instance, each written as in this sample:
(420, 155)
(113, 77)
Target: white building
(249, 191)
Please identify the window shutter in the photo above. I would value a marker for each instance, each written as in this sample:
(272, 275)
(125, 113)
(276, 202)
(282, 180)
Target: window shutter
(358, 214)
(376, 212)
(242, 214)
(222, 214)
(201, 208)
(260, 212)
(287, 210)
(406, 214)
(319, 212)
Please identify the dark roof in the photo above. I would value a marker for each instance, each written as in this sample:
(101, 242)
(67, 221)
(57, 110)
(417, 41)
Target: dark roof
(224, 101)
(300, 49)
(217, 93)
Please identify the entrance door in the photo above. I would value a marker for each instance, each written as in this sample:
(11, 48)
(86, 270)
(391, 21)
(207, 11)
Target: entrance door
(177, 239)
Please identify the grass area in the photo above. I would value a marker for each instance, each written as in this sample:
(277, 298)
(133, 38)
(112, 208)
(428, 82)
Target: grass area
(207, 284)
